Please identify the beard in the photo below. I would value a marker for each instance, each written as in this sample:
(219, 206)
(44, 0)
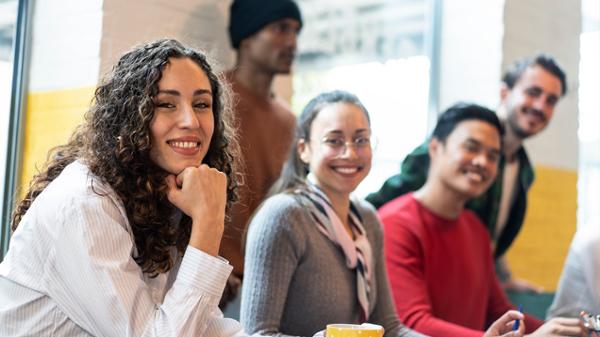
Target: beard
(513, 122)
(516, 128)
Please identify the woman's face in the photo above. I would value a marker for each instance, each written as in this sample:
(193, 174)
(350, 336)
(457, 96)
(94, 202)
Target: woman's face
(183, 122)
(339, 150)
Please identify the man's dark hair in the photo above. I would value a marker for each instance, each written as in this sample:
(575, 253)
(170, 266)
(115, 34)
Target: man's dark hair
(514, 73)
(461, 112)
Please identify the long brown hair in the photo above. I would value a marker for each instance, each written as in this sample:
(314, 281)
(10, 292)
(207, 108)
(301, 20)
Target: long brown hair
(114, 142)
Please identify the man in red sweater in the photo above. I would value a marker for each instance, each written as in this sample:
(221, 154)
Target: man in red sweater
(438, 254)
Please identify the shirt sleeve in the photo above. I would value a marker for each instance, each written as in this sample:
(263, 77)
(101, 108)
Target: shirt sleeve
(273, 251)
(95, 281)
(590, 265)
(579, 284)
(412, 177)
(404, 261)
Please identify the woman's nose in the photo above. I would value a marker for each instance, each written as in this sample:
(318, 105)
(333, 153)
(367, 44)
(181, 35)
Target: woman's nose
(188, 118)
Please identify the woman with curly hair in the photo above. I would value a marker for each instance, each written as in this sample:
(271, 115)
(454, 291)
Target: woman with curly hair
(119, 234)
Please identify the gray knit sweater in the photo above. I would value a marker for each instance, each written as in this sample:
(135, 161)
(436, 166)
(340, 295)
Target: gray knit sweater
(296, 280)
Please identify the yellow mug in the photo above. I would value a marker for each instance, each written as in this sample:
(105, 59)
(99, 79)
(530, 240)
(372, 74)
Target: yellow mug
(354, 330)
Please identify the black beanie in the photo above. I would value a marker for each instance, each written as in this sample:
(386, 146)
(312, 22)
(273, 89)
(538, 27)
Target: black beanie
(249, 16)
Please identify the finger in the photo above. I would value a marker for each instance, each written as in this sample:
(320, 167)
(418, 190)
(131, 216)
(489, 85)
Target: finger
(172, 188)
(567, 322)
(505, 322)
(171, 183)
(511, 315)
(522, 327)
(518, 333)
(204, 167)
(570, 331)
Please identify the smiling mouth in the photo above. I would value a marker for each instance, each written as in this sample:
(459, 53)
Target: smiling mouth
(475, 175)
(537, 115)
(347, 170)
(185, 147)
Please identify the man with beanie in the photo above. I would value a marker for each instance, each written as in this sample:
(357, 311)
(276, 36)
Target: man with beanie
(264, 33)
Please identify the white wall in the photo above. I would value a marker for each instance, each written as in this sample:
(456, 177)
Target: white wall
(201, 24)
(65, 46)
(470, 52)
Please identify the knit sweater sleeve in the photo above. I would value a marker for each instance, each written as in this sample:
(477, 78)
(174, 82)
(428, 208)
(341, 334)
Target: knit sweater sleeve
(384, 312)
(273, 249)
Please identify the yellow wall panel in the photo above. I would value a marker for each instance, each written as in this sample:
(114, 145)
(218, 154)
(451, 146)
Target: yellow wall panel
(540, 250)
(49, 120)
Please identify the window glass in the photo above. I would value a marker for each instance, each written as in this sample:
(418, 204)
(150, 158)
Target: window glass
(8, 19)
(589, 115)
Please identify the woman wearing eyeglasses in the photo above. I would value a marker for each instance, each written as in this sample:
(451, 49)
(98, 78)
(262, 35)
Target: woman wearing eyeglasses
(313, 254)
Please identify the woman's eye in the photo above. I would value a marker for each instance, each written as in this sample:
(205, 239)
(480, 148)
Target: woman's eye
(362, 141)
(334, 141)
(202, 105)
(165, 105)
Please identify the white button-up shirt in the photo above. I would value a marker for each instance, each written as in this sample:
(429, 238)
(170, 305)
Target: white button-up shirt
(69, 271)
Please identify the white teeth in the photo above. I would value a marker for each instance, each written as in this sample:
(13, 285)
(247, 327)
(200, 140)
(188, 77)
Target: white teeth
(184, 145)
(346, 170)
(475, 176)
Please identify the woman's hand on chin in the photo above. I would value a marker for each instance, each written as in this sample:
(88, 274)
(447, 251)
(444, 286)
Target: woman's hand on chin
(201, 193)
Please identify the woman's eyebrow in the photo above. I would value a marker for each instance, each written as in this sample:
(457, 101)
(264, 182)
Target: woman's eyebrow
(174, 92)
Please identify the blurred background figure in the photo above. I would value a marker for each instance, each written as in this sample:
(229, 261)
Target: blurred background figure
(264, 34)
(579, 285)
(437, 252)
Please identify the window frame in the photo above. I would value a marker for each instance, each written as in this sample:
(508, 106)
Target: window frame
(21, 47)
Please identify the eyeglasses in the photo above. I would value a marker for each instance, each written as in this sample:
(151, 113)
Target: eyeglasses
(339, 145)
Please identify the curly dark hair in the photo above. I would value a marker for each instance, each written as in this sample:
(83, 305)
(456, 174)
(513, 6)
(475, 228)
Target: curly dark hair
(114, 141)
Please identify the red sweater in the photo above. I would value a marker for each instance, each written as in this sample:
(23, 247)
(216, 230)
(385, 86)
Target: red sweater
(441, 271)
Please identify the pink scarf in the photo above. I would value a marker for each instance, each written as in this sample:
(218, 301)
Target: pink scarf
(357, 251)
